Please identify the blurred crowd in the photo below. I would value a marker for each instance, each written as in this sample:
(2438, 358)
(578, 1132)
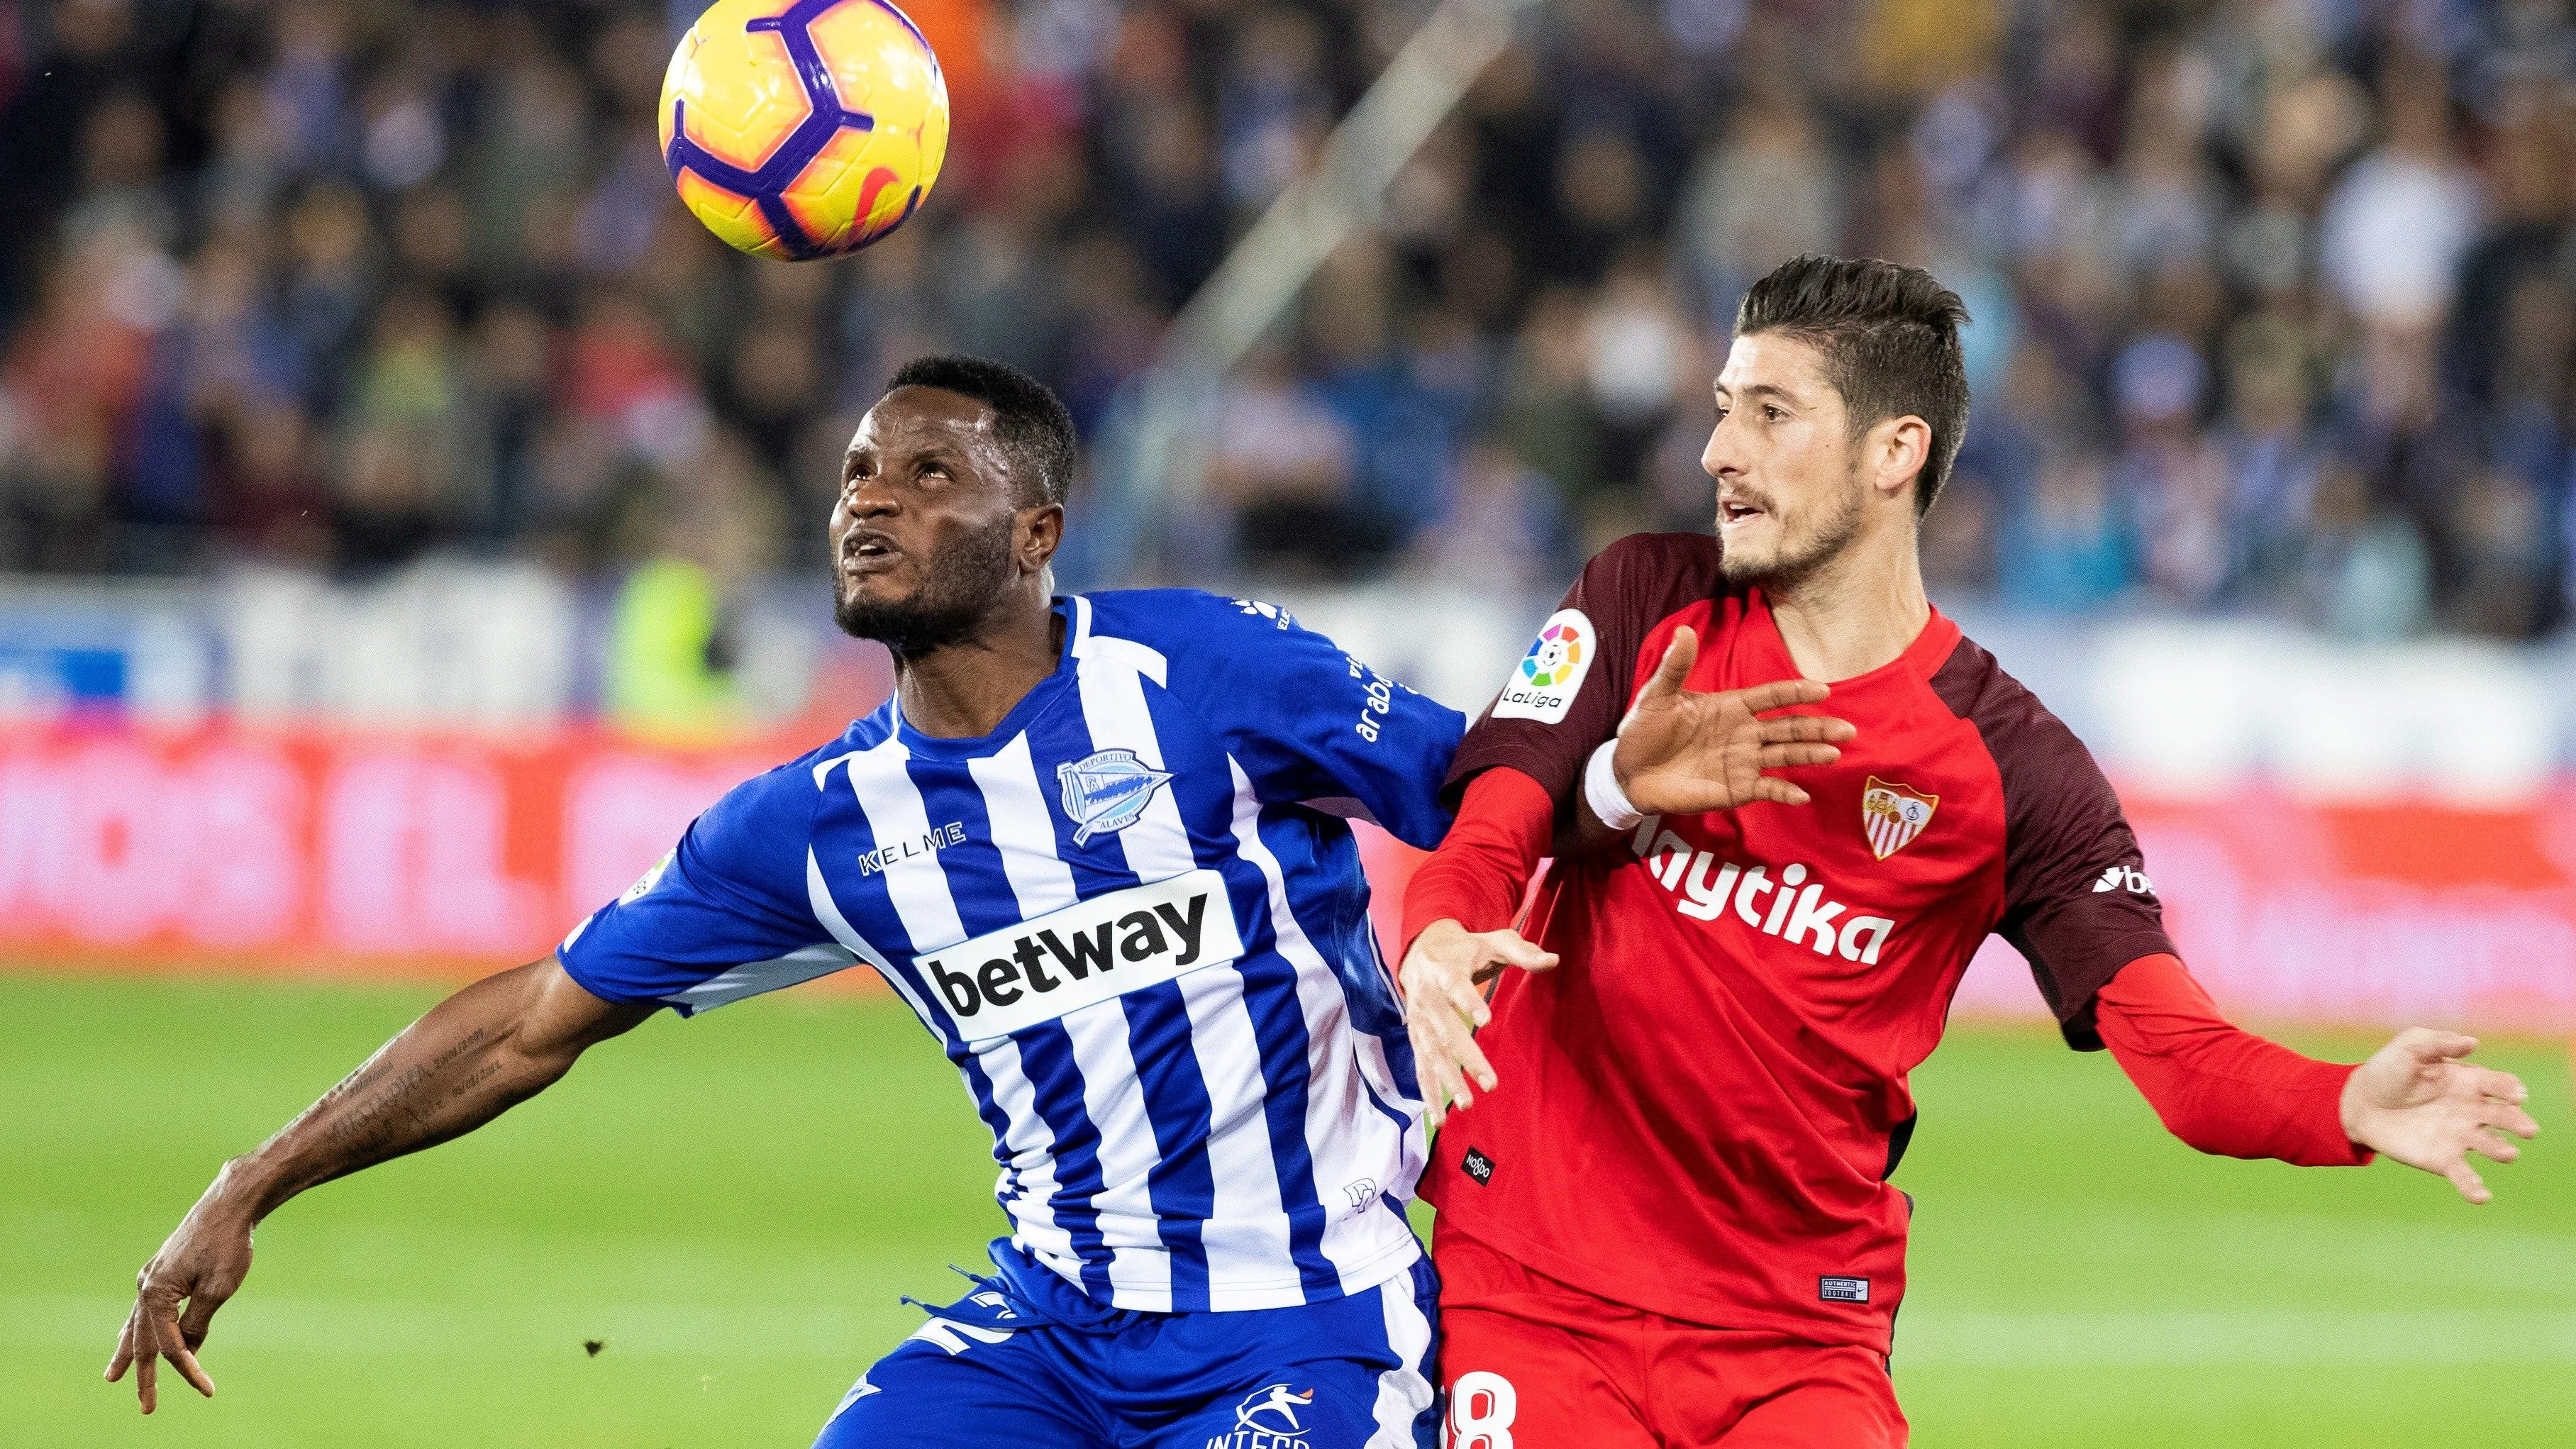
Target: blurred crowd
(2275, 300)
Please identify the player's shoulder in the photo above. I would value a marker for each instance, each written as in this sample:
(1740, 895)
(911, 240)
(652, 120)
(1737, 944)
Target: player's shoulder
(1646, 577)
(2033, 749)
(785, 794)
(1171, 621)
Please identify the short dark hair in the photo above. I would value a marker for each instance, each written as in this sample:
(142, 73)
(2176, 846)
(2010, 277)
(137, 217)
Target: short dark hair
(1890, 339)
(1029, 420)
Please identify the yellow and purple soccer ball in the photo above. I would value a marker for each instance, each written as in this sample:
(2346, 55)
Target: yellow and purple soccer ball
(803, 128)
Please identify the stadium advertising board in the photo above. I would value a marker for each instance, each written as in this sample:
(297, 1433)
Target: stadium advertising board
(354, 854)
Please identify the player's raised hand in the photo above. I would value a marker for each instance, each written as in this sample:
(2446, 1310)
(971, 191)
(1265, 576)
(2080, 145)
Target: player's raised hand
(201, 1265)
(1683, 751)
(1442, 977)
(2416, 1100)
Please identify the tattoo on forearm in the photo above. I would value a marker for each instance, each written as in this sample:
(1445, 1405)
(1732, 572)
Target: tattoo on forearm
(481, 1075)
(471, 1040)
(371, 1123)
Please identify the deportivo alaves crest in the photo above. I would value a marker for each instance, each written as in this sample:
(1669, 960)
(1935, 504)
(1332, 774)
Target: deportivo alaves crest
(1107, 791)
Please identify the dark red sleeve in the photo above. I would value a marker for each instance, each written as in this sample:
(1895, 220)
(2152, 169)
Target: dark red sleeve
(2220, 1089)
(1482, 869)
(2077, 902)
(1568, 693)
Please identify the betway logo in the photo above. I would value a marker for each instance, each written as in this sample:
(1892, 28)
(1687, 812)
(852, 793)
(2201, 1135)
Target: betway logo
(2124, 878)
(1087, 952)
(1708, 888)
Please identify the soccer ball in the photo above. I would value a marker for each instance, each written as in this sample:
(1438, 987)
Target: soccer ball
(803, 128)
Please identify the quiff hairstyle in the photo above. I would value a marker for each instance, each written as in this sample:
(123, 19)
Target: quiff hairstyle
(1889, 339)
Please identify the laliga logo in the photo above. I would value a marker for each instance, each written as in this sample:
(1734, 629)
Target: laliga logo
(1549, 676)
(1558, 650)
(1272, 1410)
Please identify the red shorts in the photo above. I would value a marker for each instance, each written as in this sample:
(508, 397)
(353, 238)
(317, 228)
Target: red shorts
(1528, 1361)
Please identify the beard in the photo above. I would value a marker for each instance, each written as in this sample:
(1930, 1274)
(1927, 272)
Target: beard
(961, 583)
(1798, 558)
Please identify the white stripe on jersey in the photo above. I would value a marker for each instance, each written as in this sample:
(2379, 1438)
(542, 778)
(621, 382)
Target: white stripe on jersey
(1157, 848)
(1113, 702)
(1346, 1137)
(1113, 1096)
(1106, 648)
(1024, 833)
(915, 883)
(1015, 805)
(1246, 1235)
(1031, 1144)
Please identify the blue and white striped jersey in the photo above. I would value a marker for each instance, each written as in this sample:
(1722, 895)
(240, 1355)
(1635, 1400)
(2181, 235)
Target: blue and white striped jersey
(1135, 920)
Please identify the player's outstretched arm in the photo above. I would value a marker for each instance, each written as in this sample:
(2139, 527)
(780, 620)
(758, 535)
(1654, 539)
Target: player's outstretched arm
(2225, 1090)
(1685, 752)
(475, 1055)
(2419, 1101)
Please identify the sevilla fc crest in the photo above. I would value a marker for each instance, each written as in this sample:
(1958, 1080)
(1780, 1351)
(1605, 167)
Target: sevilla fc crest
(1892, 815)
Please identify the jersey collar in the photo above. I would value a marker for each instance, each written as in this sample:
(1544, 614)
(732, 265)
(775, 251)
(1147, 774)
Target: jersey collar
(1922, 659)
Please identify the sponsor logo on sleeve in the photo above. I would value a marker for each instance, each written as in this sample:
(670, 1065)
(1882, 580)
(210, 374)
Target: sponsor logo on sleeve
(1478, 1166)
(2124, 878)
(1543, 685)
(1086, 953)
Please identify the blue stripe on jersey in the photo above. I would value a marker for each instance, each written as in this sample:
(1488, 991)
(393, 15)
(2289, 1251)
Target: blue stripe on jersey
(1181, 1184)
(976, 880)
(1056, 734)
(1046, 1053)
(885, 930)
(1059, 735)
(982, 892)
(1279, 1024)
(842, 833)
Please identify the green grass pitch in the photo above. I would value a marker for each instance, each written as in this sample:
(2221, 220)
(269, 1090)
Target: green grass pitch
(734, 1203)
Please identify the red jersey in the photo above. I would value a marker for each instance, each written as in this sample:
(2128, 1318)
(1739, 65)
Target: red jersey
(1699, 1110)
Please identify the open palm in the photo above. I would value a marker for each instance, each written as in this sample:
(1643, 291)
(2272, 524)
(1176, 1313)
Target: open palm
(2415, 1100)
(1686, 751)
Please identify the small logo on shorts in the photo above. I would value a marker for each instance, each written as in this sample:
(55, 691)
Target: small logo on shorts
(1843, 1290)
(1272, 1410)
(1479, 1166)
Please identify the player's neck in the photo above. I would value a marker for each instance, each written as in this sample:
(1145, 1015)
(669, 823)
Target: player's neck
(1857, 612)
(964, 690)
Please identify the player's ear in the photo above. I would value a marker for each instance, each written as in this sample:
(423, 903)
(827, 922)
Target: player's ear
(1038, 532)
(1898, 450)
